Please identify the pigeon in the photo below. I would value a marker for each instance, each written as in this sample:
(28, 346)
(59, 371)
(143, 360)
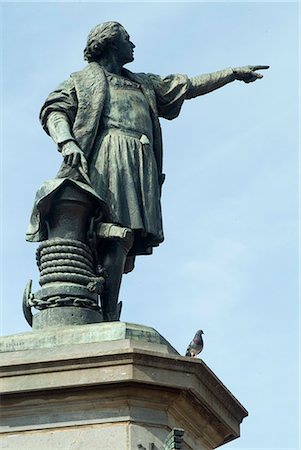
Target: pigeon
(196, 345)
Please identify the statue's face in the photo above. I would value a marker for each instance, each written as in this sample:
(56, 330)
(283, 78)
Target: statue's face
(125, 47)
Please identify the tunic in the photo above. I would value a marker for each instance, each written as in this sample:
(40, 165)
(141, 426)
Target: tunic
(122, 168)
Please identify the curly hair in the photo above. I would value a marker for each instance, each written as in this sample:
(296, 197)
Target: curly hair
(98, 39)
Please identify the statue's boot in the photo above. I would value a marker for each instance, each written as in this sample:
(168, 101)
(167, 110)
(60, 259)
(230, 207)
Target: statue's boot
(114, 264)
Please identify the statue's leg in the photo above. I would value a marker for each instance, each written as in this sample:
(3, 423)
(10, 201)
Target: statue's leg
(129, 264)
(114, 262)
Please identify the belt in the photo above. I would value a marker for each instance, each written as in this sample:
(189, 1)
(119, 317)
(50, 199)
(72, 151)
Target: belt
(143, 138)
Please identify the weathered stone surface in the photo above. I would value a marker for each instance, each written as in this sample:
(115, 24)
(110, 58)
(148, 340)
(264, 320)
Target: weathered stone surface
(105, 334)
(126, 393)
(65, 316)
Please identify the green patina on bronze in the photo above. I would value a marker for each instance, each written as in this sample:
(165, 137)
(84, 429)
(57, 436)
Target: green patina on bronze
(105, 122)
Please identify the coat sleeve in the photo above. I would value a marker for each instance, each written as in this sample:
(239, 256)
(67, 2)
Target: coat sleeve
(203, 84)
(63, 100)
(170, 93)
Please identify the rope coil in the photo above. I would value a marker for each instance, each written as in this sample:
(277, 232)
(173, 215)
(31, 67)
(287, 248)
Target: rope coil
(69, 259)
(64, 262)
(66, 269)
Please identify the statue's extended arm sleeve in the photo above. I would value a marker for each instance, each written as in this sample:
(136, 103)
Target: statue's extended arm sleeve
(59, 128)
(206, 83)
(170, 93)
(62, 100)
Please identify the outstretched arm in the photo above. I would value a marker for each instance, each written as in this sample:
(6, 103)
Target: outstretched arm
(204, 84)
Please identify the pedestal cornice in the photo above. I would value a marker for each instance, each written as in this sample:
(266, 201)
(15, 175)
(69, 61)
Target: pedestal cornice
(185, 390)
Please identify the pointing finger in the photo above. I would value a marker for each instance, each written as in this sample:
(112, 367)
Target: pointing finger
(260, 67)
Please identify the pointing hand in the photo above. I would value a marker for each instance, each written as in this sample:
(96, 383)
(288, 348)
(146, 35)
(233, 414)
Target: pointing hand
(248, 73)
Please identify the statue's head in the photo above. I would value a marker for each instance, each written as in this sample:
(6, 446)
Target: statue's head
(109, 37)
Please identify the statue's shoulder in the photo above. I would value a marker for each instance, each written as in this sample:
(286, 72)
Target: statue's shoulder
(92, 70)
(90, 81)
(140, 77)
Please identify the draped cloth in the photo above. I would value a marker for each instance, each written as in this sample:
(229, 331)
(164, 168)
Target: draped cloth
(124, 173)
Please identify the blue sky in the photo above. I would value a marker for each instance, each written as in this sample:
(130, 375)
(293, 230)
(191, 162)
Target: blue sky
(229, 263)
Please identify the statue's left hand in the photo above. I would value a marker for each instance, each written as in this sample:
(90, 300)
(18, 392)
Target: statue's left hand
(248, 74)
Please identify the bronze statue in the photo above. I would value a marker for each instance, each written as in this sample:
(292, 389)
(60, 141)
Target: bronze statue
(105, 122)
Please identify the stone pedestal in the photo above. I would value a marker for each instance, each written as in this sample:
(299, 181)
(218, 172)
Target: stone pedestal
(110, 386)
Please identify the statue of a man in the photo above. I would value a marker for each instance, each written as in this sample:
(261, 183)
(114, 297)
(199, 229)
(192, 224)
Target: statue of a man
(105, 122)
